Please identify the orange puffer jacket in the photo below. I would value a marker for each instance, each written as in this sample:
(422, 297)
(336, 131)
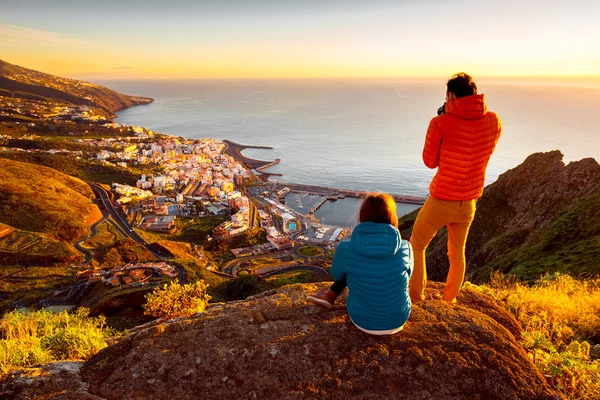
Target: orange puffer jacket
(460, 143)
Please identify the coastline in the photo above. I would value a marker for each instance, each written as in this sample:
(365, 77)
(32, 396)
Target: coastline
(234, 150)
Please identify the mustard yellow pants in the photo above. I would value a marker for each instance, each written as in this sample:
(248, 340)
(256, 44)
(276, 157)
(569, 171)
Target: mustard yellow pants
(457, 217)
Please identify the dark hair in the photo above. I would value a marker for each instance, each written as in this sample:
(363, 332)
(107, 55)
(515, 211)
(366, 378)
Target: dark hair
(379, 208)
(462, 85)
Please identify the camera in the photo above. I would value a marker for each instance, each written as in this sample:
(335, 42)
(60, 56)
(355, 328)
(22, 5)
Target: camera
(442, 109)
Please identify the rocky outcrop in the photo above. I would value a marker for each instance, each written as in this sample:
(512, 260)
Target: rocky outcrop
(277, 346)
(541, 216)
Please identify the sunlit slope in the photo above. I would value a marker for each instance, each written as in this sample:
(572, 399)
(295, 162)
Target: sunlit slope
(40, 199)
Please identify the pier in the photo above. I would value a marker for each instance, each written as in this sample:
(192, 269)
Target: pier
(335, 193)
(318, 205)
(260, 169)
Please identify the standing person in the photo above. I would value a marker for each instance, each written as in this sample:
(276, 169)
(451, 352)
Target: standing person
(376, 265)
(459, 143)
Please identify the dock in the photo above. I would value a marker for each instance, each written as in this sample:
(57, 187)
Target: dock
(314, 208)
(336, 193)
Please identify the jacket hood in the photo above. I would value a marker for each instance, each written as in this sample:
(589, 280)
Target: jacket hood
(468, 107)
(375, 240)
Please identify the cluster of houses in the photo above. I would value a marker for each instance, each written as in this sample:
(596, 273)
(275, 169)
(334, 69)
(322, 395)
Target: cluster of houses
(129, 274)
(198, 178)
(10, 106)
(127, 193)
(239, 222)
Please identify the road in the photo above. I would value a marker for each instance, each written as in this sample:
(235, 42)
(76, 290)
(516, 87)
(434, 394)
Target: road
(87, 254)
(293, 268)
(125, 228)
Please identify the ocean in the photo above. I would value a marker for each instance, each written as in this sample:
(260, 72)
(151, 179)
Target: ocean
(361, 134)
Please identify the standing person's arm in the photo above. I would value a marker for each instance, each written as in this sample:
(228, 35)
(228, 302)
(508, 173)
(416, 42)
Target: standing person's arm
(433, 144)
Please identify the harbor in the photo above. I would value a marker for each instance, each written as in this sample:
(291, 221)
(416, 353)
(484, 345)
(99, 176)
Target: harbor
(335, 207)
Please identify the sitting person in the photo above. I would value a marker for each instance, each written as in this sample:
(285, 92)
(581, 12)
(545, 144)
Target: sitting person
(376, 265)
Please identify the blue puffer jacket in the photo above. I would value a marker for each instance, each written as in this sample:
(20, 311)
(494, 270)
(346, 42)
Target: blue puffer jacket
(377, 265)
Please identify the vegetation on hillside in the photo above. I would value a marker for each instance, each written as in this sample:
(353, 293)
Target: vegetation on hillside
(241, 287)
(124, 251)
(105, 238)
(20, 286)
(40, 199)
(64, 130)
(569, 244)
(41, 337)
(85, 170)
(290, 278)
(560, 317)
(51, 143)
(31, 248)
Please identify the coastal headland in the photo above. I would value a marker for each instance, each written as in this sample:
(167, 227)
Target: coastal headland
(234, 150)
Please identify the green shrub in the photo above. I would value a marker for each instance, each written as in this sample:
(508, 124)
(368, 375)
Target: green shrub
(175, 300)
(41, 337)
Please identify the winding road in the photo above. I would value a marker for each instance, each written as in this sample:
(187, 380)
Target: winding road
(87, 254)
(123, 226)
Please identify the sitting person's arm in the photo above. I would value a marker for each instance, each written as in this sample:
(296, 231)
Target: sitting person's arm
(410, 260)
(337, 266)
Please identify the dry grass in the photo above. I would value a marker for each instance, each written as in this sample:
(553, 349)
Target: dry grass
(41, 337)
(560, 316)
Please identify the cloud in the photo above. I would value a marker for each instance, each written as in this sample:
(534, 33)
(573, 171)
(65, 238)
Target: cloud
(18, 34)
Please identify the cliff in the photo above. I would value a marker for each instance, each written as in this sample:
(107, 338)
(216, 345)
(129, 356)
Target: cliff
(30, 84)
(277, 346)
(541, 216)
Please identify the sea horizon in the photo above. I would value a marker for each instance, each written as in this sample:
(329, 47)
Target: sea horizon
(343, 132)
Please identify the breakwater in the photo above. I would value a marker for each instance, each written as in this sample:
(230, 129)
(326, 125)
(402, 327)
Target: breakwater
(337, 193)
(234, 150)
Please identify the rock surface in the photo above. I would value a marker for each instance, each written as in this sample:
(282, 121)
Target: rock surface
(277, 346)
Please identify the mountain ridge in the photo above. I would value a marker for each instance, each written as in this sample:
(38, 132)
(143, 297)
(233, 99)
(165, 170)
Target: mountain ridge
(29, 84)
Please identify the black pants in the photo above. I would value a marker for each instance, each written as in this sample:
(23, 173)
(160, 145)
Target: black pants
(339, 286)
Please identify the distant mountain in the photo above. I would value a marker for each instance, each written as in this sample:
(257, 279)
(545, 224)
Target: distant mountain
(29, 84)
(541, 216)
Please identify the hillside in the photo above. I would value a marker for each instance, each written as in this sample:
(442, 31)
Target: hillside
(541, 216)
(277, 346)
(40, 199)
(16, 81)
(23, 247)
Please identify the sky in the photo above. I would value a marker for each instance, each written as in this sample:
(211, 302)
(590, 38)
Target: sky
(301, 38)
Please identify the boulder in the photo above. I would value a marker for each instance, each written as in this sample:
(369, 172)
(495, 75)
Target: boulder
(277, 346)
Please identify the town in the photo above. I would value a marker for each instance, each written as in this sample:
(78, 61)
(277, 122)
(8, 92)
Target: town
(191, 180)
